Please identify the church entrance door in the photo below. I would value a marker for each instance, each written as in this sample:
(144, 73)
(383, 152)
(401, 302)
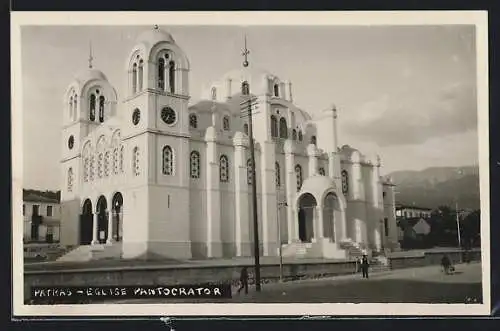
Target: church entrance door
(86, 223)
(102, 220)
(302, 225)
(307, 205)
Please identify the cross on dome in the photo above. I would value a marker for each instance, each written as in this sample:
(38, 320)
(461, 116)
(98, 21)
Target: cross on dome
(245, 53)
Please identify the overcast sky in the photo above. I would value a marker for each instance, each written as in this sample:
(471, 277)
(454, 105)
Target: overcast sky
(407, 93)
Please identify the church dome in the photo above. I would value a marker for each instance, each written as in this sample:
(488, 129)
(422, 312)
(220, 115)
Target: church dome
(90, 74)
(153, 36)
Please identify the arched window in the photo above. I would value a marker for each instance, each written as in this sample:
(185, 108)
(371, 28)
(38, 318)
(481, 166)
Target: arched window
(322, 171)
(277, 174)
(313, 140)
(135, 161)
(245, 88)
(283, 128)
(224, 169)
(168, 161)
(193, 121)
(70, 179)
(274, 126)
(141, 74)
(171, 76)
(249, 172)
(276, 90)
(101, 108)
(245, 128)
(106, 164)
(195, 165)
(115, 160)
(161, 73)
(300, 135)
(92, 168)
(345, 182)
(134, 78)
(92, 107)
(100, 161)
(122, 151)
(294, 134)
(225, 123)
(298, 176)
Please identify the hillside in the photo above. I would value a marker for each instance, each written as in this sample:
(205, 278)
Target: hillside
(433, 187)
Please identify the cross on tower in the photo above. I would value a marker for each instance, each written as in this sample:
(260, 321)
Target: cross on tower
(245, 53)
(90, 55)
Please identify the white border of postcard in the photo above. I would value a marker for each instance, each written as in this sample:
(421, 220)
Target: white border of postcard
(477, 18)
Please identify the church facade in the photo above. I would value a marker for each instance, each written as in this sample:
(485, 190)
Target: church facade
(150, 175)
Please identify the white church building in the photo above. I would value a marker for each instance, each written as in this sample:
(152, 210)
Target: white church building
(149, 175)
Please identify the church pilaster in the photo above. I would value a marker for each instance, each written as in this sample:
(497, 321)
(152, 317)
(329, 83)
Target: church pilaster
(214, 245)
(269, 203)
(291, 187)
(242, 226)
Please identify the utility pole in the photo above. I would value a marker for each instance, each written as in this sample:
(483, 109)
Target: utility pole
(247, 105)
(280, 204)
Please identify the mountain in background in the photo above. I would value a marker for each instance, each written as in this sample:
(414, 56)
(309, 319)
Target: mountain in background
(437, 186)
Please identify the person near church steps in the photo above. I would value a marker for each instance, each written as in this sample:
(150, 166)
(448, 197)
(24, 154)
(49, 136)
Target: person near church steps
(243, 280)
(364, 266)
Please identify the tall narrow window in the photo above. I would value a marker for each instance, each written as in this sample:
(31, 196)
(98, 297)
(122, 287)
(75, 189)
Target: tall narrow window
(313, 140)
(92, 168)
(245, 88)
(276, 90)
(101, 108)
(141, 74)
(294, 134)
(70, 108)
(224, 169)
(100, 161)
(193, 121)
(161, 73)
(283, 128)
(106, 164)
(92, 107)
(274, 126)
(86, 169)
(171, 76)
(245, 128)
(75, 104)
(122, 151)
(249, 172)
(225, 123)
(300, 135)
(49, 211)
(345, 182)
(70, 180)
(298, 176)
(135, 161)
(168, 161)
(277, 174)
(195, 165)
(322, 171)
(134, 78)
(115, 160)
(214, 93)
(386, 226)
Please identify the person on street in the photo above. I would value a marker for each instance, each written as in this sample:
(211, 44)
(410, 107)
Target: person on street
(243, 280)
(446, 263)
(364, 266)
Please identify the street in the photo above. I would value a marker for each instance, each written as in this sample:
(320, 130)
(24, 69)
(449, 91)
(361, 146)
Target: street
(415, 285)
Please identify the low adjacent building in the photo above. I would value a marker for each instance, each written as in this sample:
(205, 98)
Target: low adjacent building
(41, 218)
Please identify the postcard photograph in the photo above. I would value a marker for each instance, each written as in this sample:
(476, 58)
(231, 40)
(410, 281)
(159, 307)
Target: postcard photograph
(246, 158)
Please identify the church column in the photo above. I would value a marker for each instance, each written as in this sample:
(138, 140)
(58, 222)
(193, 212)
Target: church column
(242, 226)
(214, 245)
(291, 209)
(318, 232)
(312, 153)
(269, 202)
(94, 228)
(110, 240)
(228, 89)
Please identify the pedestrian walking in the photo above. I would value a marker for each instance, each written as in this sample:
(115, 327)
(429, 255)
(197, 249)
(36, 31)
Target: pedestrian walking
(243, 280)
(446, 264)
(364, 266)
(358, 264)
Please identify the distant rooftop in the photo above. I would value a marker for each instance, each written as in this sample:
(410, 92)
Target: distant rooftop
(38, 198)
(398, 207)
